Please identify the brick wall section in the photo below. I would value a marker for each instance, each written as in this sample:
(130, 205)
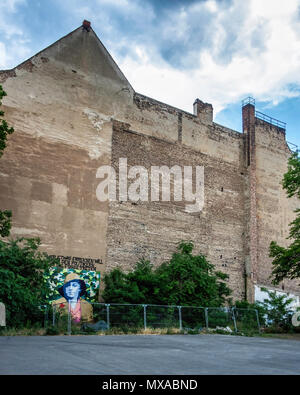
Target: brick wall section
(274, 209)
(152, 230)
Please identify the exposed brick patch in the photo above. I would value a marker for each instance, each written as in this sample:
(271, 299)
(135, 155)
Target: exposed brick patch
(4, 75)
(28, 66)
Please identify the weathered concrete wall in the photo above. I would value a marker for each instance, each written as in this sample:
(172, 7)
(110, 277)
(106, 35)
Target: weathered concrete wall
(153, 118)
(60, 103)
(274, 209)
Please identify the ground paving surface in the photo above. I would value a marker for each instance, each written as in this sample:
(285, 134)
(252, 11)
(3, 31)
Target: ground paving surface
(151, 354)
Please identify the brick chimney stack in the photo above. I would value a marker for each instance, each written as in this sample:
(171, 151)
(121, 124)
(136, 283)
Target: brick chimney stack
(249, 128)
(204, 111)
(86, 25)
(251, 250)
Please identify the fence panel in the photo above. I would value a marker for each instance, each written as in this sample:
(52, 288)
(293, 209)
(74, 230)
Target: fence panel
(193, 317)
(220, 317)
(126, 317)
(40, 317)
(99, 313)
(162, 316)
(100, 319)
(122, 316)
(59, 317)
(246, 319)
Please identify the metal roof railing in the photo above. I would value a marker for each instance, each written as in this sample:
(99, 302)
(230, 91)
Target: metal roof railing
(293, 147)
(270, 120)
(248, 100)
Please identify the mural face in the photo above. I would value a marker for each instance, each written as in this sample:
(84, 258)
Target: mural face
(73, 290)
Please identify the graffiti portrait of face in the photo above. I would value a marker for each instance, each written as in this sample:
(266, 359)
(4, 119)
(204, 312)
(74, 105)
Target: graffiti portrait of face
(72, 290)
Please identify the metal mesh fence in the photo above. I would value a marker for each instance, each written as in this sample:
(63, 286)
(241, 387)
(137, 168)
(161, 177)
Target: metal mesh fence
(162, 316)
(39, 318)
(220, 317)
(193, 318)
(246, 319)
(126, 316)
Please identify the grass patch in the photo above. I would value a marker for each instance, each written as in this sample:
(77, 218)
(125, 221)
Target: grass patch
(139, 331)
(22, 332)
(77, 330)
(286, 336)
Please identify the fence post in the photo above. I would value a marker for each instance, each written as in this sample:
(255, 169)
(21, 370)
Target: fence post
(180, 317)
(145, 316)
(107, 316)
(53, 314)
(234, 320)
(46, 317)
(258, 323)
(206, 317)
(69, 321)
(2, 314)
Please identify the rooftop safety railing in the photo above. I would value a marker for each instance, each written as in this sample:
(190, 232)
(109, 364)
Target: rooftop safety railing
(264, 117)
(293, 147)
(248, 100)
(270, 120)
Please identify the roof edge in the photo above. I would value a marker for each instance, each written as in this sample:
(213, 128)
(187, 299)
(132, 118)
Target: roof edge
(60, 39)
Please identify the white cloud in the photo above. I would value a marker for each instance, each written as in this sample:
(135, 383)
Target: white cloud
(10, 5)
(263, 57)
(3, 56)
(211, 5)
(8, 26)
(13, 43)
(219, 51)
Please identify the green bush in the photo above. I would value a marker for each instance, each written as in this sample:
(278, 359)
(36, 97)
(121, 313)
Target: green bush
(185, 280)
(278, 313)
(22, 286)
(250, 316)
(52, 331)
(217, 317)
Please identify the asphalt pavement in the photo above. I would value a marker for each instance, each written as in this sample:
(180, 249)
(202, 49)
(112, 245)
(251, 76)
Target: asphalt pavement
(151, 354)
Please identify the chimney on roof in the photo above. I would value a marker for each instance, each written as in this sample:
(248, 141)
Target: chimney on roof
(86, 25)
(203, 111)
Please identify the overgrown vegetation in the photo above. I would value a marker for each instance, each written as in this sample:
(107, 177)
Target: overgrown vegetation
(274, 312)
(185, 280)
(277, 312)
(22, 285)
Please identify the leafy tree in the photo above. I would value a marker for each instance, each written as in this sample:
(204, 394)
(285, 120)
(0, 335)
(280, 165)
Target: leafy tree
(186, 279)
(277, 309)
(5, 222)
(22, 285)
(139, 286)
(286, 261)
(5, 216)
(191, 280)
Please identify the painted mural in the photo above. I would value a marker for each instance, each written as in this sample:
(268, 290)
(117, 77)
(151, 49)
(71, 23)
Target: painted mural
(73, 290)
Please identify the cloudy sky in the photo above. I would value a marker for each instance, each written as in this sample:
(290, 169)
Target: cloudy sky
(220, 51)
